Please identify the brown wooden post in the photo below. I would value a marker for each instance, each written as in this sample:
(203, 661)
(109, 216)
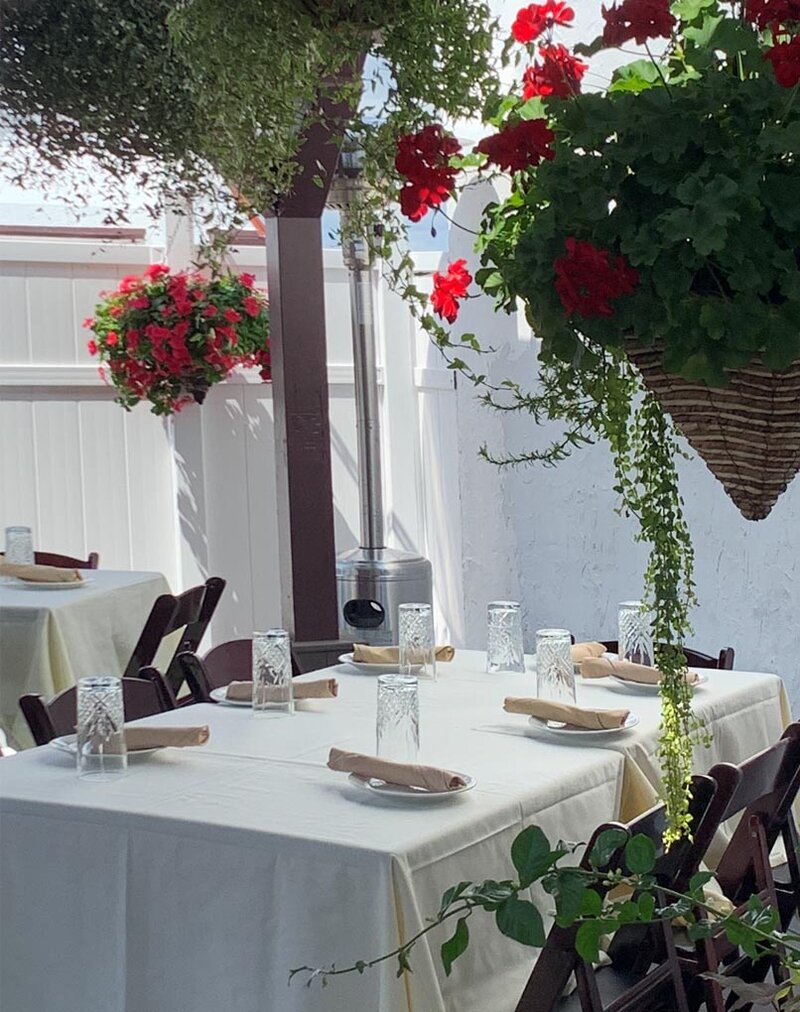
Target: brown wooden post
(307, 550)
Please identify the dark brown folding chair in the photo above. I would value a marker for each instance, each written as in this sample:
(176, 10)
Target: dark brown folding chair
(142, 697)
(232, 661)
(768, 787)
(191, 612)
(67, 561)
(317, 654)
(631, 987)
(724, 659)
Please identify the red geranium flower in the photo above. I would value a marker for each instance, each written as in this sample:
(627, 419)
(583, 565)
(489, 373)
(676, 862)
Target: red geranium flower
(129, 283)
(423, 159)
(531, 21)
(251, 305)
(154, 271)
(248, 280)
(764, 13)
(112, 339)
(88, 323)
(519, 147)
(140, 302)
(449, 288)
(637, 19)
(91, 347)
(232, 316)
(785, 60)
(559, 74)
(587, 279)
(210, 310)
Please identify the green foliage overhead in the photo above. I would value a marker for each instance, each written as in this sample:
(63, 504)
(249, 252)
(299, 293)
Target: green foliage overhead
(204, 91)
(698, 187)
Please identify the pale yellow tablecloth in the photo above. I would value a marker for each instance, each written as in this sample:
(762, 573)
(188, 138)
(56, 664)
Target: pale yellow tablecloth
(50, 638)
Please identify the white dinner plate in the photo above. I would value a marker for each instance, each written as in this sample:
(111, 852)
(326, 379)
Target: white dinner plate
(69, 743)
(409, 795)
(568, 731)
(30, 585)
(218, 695)
(645, 688)
(373, 669)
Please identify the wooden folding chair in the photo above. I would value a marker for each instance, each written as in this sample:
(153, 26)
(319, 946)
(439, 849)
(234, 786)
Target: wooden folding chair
(694, 659)
(767, 789)
(142, 697)
(190, 612)
(633, 987)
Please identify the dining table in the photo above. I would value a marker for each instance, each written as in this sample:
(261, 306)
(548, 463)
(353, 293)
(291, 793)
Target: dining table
(197, 881)
(53, 634)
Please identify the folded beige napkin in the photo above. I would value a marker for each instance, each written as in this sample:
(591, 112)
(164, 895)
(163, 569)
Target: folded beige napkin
(580, 651)
(40, 574)
(321, 688)
(137, 738)
(364, 654)
(406, 774)
(599, 667)
(545, 709)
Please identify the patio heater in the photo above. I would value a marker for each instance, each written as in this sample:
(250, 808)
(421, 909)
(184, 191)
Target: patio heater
(371, 580)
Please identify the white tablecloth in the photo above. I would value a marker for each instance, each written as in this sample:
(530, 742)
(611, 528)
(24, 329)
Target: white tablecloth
(196, 882)
(50, 638)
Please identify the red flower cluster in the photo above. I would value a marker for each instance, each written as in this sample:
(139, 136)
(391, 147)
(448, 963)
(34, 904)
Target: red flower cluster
(639, 20)
(520, 146)
(785, 60)
(423, 159)
(587, 279)
(167, 338)
(558, 75)
(449, 288)
(531, 21)
(765, 13)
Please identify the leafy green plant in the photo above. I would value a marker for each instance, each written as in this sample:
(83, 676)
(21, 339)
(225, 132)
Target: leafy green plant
(614, 887)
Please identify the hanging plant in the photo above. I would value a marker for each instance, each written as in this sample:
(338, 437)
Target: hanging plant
(652, 233)
(167, 338)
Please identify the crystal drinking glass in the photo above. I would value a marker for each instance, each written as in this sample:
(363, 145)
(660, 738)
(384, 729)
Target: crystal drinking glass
(504, 650)
(635, 636)
(397, 722)
(417, 648)
(273, 690)
(555, 672)
(19, 546)
(102, 753)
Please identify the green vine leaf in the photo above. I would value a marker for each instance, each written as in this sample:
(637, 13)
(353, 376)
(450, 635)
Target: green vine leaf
(531, 855)
(455, 946)
(519, 919)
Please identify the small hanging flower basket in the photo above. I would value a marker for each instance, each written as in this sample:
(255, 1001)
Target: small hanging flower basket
(167, 338)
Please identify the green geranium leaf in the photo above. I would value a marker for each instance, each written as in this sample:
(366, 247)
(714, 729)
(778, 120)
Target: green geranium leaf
(455, 946)
(519, 919)
(635, 77)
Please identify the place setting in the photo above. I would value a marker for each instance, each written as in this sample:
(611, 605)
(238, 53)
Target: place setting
(394, 773)
(104, 743)
(416, 653)
(18, 567)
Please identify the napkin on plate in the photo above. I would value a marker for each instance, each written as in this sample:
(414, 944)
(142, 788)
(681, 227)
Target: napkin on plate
(40, 574)
(138, 738)
(599, 667)
(545, 709)
(321, 688)
(405, 774)
(580, 651)
(363, 654)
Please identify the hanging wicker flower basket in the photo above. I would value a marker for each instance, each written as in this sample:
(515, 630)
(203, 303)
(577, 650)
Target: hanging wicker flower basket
(748, 432)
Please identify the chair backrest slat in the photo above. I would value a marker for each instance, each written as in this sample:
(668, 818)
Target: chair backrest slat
(64, 561)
